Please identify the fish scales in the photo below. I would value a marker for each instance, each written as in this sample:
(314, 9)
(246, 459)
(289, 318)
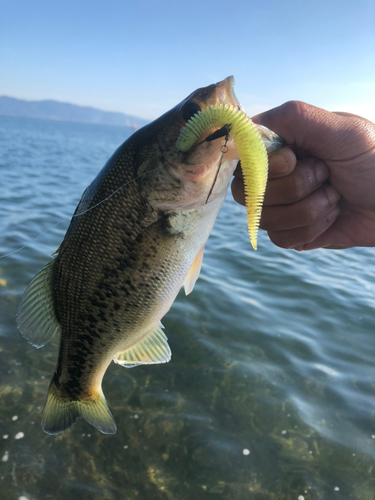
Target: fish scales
(84, 293)
(136, 237)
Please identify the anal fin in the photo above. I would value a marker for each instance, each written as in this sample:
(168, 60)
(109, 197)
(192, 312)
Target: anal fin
(153, 349)
(194, 272)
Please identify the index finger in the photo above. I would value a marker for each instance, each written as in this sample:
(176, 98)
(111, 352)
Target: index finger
(281, 163)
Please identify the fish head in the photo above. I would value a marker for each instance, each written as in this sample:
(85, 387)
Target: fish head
(171, 179)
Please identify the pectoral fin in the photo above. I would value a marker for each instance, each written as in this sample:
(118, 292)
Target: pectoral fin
(194, 272)
(36, 318)
(153, 349)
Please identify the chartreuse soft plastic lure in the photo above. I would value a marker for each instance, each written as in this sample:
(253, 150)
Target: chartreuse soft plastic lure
(251, 151)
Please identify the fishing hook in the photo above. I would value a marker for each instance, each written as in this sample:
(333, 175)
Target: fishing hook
(223, 149)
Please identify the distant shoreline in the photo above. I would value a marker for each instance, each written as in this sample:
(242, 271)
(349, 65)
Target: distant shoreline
(54, 120)
(66, 112)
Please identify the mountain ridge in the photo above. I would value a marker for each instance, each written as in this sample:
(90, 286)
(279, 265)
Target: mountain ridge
(63, 111)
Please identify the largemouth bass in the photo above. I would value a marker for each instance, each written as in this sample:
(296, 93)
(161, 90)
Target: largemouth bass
(137, 236)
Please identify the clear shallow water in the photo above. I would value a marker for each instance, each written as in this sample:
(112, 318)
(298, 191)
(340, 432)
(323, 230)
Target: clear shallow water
(273, 352)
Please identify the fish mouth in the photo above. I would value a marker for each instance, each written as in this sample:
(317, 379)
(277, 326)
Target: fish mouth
(225, 92)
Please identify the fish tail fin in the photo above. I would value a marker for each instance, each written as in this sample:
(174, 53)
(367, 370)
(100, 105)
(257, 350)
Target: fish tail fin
(60, 412)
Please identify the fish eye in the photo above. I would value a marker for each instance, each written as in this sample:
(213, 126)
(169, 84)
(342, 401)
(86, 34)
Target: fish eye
(190, 109)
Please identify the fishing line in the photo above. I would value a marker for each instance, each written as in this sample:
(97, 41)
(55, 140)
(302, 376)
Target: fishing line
(223, 149)
(85, 211)
(209, 138)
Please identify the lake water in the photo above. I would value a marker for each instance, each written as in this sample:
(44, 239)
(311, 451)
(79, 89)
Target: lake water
(270, 393)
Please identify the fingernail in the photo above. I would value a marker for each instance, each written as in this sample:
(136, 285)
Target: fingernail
(332, 216)
(332, 195)
(282, 163)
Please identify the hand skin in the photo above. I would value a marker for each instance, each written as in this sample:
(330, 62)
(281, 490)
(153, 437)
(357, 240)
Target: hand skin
(321, 187)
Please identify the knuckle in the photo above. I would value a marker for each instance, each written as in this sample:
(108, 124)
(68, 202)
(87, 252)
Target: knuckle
(296, 110)
(310, 233)
(305, 180)
(266, 217)
(364, 132)
(316, 209)
(298, 187)
(292, 238)
(312, 215)
(282, 239)
(295, 238)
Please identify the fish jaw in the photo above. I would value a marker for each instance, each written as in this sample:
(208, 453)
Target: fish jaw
(226, 93)
(187, 178)
(217, 93)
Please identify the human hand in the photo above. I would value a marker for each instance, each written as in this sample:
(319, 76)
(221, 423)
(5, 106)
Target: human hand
(321, 188)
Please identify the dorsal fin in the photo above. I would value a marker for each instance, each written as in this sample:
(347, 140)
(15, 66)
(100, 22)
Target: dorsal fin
(152, 349)
(193, 273)
(36, 317)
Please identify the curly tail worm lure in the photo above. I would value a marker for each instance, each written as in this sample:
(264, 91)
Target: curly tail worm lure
(251, 150)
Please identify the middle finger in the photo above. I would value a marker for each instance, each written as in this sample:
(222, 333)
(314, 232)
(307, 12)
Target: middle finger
(306, 178)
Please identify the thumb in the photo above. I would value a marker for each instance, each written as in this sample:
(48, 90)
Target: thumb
(308, 128)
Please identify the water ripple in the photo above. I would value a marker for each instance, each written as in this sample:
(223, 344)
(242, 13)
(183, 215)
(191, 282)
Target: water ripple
(273, 352)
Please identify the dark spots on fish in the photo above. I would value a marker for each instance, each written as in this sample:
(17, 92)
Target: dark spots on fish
(71, 386)
(80, 348)
(125, 290)
(95, 287)
(102, 316)
(128, 287)
(100, 298)
(94, 302)
(128, 233)
(93, 333)
(87, 338)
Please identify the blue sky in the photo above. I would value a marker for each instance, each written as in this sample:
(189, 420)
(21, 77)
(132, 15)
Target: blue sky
(143, 57)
